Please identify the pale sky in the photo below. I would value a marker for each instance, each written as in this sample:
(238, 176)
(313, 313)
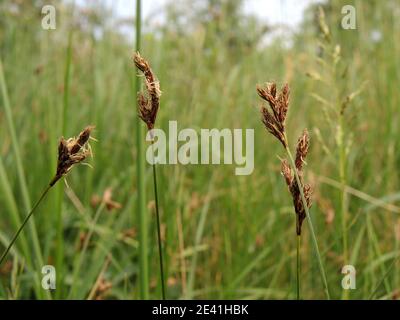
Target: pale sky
(273, 11)
(286, 12)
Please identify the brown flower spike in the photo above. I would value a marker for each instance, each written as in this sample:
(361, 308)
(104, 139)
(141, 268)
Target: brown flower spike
(148, 105)
(275, 124)
(301, 153)
(302, 149)
(279, 104)
(71, 152)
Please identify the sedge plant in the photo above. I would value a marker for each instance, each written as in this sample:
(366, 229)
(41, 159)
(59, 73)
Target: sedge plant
(148, 106)
(274, 121)
(70, 152)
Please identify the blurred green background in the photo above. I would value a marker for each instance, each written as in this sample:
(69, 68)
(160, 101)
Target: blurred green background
(224, 236)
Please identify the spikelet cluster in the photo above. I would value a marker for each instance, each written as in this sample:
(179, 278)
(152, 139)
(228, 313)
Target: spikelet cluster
(148, 104)
(71, 152)
(274, 121)
(301, 153)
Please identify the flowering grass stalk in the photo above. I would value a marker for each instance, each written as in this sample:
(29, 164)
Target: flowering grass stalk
(148, 109)
(70, 153)
(274, 121)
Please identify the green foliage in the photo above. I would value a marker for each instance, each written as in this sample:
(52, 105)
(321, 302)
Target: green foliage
(225, 236)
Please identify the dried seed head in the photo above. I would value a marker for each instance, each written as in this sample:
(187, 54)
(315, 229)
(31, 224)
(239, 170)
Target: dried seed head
(141, 63)
(148, 106)
(268, 93)
(307, 194)
(82, 139)
(275, 121)
(272, 125)
(302, 149)
(283, 102)
(71, 152)
(287, 172)
(272, 89)
(298, 203)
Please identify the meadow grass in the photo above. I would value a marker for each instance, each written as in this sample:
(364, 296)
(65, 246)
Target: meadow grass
(225, 236)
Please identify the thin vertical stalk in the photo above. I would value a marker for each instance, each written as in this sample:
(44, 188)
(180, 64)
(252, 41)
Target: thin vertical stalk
(158, 230)
(342, 176)
(310, 225)
(3, 256)
(141, 195)
(59, 252)
(67, 76)
(343, 195)
(298, 266)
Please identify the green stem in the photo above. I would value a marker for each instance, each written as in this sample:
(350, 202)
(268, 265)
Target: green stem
(141, 197)
(343, 195)
(158, 231)
(59, 252)
(298, 267)
(310, 225)
(23, 225)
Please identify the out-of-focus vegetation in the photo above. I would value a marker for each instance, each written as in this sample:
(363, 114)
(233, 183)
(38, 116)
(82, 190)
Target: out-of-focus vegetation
(208, 56)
